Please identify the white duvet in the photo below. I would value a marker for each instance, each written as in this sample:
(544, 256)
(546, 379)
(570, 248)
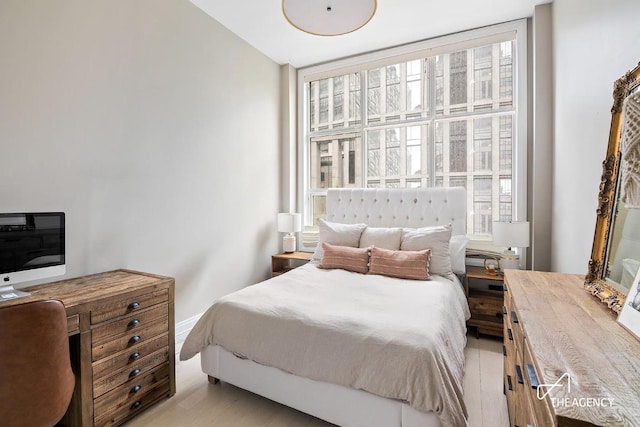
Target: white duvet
(399, 339)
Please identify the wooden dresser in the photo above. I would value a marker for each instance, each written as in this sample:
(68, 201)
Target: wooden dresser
(122, 345)
(562, 339)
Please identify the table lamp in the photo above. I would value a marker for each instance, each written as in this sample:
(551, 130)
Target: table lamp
(512, 234)
(289, 223)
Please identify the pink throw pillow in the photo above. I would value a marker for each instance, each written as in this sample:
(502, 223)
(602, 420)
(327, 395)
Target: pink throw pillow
(345, 258)
(402, 264)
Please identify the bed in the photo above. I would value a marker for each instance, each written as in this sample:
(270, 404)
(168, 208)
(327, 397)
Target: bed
(353, 349)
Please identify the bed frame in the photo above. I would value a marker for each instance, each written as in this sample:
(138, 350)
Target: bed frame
(337, 404)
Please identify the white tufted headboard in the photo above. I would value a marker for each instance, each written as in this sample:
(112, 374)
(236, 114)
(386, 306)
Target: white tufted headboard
(406, 207)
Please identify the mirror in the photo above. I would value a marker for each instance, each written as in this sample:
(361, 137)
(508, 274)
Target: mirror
(615, 255)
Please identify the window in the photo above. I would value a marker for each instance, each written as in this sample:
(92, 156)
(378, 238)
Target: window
(457, 71)
(458, 146)
(448, 114)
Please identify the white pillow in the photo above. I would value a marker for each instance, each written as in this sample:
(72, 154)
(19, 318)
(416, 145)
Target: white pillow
(380, 237)
(457, 253)
(337, 234)
(435, 238)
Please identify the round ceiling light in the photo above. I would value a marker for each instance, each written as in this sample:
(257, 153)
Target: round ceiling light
(328, 17)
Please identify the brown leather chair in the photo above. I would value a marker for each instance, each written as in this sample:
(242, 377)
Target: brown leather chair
(36, 380)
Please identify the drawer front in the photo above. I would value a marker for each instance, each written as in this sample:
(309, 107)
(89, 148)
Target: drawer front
(508, 304)
(516, 327)
(129, 324)
(541, 409)
(510, 379)
(128, 305)
(73, 324)
(126, 394)
(130, 339)
(521, 417)
(133, 406)
(130, 372)
(510, 387)
(512, 319)
(532, 421)
(486, 305)
(509, 337)
(129, 357)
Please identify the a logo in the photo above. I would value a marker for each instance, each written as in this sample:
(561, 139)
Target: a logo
(540, 390)
(564, 381)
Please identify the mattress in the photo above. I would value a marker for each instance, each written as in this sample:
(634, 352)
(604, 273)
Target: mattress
(399, 339)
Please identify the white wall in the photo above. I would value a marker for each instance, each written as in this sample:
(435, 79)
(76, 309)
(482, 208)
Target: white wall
(288, 116)
(154, 128)
(595, 42)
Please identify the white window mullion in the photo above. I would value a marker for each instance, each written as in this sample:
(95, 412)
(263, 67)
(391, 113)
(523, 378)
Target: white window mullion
(364, 114)
(403, 154)
(330, 117)
(470, 81)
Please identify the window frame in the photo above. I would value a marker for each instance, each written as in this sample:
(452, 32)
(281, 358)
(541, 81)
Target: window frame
(427, 48)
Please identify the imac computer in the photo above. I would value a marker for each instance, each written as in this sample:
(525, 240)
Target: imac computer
(32, 247)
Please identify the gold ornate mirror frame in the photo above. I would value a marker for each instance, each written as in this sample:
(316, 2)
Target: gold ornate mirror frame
(594, 282)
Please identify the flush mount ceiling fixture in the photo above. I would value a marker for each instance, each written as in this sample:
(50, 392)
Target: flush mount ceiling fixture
(328, 17)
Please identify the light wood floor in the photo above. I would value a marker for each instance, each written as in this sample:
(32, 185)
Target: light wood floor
(198, 403)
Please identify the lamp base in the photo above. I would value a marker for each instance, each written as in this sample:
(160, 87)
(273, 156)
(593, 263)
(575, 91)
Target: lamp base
(289, 243)
(509, 260)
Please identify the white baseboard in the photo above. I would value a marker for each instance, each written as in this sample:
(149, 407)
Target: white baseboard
(182, 330)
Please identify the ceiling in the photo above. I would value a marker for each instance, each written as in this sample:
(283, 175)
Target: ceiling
(262, 24)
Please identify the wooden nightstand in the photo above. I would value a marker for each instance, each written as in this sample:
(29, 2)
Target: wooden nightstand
(284, 262)
(485, 295)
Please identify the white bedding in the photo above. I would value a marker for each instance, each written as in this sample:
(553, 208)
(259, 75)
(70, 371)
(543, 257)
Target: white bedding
(395, 338)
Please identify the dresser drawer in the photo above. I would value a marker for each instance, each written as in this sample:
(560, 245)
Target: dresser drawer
(541, 408)
(129, 324)
(73, 324)
(532, 421)
(130, 339)
(509, 335)
(516, 327)
(507, 299)
(129, 406)
(128, 305)
(510, 394)
(130, 372)
(128, 357)
(510, 381)
(486, 303)
(127, 393)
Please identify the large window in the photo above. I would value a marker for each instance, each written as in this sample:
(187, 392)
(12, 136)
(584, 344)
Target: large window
(444, 116)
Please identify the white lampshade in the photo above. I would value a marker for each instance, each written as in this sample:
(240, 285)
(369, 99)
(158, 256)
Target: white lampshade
(289, 222)
(328, 17)
(512, 234)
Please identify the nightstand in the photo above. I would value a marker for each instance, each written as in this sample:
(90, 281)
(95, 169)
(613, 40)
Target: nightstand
(485, 296)
(284, 262)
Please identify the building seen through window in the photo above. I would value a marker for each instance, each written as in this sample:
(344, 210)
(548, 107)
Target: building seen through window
(440, 121)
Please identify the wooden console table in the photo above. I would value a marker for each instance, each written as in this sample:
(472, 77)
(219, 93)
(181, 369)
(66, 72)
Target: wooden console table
(121, 341)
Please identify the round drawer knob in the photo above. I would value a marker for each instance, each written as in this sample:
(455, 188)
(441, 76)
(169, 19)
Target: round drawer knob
(135, 405)
(135, 389)
(134, 373)
(133, 323)
(134, 339)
